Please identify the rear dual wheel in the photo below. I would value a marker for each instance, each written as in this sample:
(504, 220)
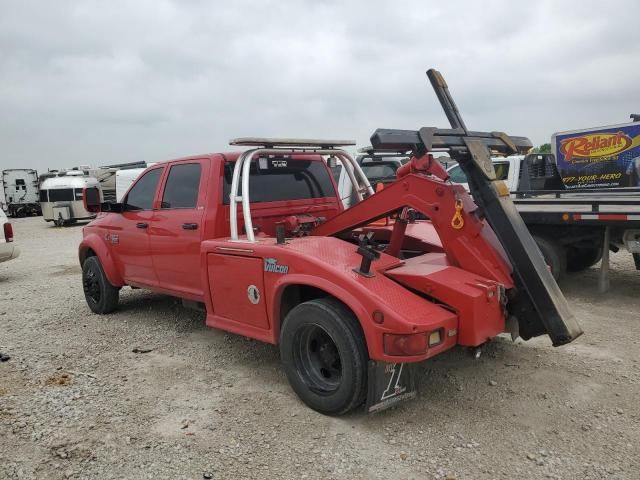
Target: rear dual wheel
(562, 259)
(579, 259)
(324, 354)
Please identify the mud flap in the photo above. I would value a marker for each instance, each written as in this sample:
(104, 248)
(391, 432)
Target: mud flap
(389, 384)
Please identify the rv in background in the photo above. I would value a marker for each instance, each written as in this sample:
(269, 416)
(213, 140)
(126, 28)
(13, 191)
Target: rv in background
(61, 197)
(20, 187)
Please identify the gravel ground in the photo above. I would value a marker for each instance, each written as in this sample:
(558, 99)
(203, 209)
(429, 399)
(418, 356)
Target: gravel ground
(77, 402)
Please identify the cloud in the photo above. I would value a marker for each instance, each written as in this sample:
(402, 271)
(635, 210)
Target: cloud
(109, 82)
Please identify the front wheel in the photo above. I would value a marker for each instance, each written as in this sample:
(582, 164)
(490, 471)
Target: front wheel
(101, 296)
(325, 356)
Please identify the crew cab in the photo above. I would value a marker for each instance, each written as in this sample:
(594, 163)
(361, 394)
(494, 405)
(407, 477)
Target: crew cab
(263, 241)
(8, 248)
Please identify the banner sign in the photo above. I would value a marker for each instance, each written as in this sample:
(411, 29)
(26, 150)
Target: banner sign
(599, 157)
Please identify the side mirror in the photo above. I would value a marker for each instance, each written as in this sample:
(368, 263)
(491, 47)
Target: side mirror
(91, 199)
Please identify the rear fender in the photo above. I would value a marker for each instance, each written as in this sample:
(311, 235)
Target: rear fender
(394, 321)
(98, 245)
(358, 309)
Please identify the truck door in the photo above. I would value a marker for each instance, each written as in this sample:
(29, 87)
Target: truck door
(129, 234)
(176, 231)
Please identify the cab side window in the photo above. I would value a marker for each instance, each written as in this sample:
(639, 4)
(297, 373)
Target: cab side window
(141, 195)
(181, 189)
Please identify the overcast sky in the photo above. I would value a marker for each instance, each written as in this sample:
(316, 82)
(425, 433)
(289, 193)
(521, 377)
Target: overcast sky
(100, 82)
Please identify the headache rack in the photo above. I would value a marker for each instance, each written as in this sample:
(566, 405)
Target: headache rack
(264, 147)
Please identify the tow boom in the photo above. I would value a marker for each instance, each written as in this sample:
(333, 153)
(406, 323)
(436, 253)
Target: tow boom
(536, 300)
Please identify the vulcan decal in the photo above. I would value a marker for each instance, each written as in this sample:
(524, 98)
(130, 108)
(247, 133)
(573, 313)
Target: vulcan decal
(271, 265)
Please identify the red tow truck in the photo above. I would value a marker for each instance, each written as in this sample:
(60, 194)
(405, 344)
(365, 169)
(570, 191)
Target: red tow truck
(352, 296)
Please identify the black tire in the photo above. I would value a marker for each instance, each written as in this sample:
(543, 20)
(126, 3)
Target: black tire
(554, 255)
(325, 356)
(101, 296)
(579, 259)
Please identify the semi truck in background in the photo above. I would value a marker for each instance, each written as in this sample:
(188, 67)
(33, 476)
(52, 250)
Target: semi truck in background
(20, 188)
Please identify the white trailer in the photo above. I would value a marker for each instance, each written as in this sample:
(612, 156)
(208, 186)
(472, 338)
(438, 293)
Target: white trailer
(61, 197)
(20, 187)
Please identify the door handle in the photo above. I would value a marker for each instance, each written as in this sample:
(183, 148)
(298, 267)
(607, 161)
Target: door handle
(142, 225)
(190, 226)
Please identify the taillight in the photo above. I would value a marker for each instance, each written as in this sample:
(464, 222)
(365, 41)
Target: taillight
(405, 345)
(8, 232)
